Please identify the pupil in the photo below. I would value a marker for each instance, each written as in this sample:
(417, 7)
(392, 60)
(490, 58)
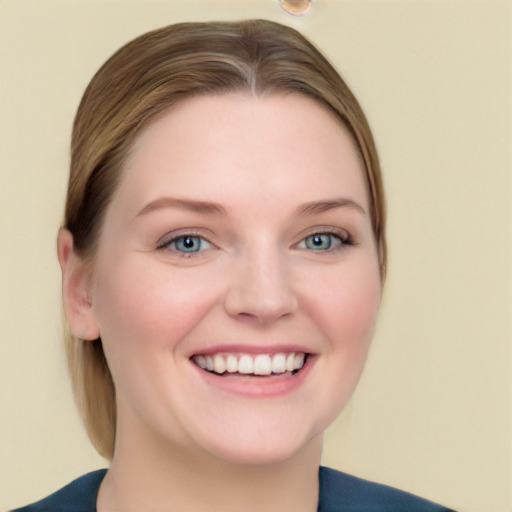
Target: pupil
(321, 242)
(188, 244)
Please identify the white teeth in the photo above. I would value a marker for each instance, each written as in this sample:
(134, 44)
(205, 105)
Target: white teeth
(219, 365)
(201, 361)
(298, 362)
(290, 361)
(247, 364)
(232, 364)
(262, 365)
(279, 363)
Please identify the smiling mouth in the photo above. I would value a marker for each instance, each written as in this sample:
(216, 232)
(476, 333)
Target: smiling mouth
(247, 365)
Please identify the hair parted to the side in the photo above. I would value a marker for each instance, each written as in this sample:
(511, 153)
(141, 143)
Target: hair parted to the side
(141, 81)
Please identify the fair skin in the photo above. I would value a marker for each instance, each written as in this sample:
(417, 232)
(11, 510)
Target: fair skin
(240, 228)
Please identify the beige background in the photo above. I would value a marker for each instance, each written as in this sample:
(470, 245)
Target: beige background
(432, 413)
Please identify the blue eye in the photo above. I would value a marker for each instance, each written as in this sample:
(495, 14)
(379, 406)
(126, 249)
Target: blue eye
(319, 242)
(322, 242)
(188, 244)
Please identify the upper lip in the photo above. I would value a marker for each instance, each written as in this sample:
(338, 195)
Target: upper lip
(252, 349)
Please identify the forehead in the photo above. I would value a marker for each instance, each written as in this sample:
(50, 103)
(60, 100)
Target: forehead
(268, 145)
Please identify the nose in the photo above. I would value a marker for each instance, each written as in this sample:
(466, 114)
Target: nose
(261, 287)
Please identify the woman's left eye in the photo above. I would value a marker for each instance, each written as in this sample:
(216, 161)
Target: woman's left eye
(322, 242)
(187, 244)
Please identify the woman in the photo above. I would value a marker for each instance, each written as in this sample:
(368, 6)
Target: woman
(222, 254)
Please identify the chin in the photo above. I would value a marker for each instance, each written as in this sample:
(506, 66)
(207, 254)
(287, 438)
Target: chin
(257, 454)
(275, 445)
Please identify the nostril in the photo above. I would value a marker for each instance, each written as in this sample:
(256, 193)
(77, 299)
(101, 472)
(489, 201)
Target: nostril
(263, 315)
(246, 316)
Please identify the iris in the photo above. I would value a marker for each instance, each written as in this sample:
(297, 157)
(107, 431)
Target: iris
(319, 242)
(188, 243)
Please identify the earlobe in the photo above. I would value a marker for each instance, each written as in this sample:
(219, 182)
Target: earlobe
(75, 289)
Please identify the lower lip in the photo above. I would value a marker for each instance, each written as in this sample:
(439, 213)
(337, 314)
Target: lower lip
(258, 387)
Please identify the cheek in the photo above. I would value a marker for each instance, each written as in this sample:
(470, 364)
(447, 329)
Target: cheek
(343, 310)
(143, 321)
(347, 306)
(154, 309)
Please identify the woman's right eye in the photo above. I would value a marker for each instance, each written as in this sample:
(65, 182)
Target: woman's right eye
(187, 244)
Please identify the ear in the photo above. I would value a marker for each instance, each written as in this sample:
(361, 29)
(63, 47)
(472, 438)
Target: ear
(75, 289)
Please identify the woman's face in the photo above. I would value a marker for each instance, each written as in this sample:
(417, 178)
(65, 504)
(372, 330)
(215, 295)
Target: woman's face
(239, 239)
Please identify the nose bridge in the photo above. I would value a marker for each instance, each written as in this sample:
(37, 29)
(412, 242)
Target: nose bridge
(261, 286)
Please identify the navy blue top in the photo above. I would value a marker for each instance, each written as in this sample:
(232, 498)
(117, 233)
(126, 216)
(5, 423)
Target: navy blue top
(339, 492)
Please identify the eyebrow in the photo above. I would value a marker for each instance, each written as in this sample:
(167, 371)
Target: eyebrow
(316, 207)
(213, 208)
(192, 205)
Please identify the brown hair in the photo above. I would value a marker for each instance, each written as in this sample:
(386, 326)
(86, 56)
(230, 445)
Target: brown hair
(141, 81)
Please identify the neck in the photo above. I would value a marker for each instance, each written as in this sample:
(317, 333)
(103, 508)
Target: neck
(174, 479)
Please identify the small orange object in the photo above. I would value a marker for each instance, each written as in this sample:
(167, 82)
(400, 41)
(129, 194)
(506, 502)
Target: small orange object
(296, 7)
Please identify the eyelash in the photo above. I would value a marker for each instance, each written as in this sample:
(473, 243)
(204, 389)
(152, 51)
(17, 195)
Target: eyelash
(342, 236)
(166, 244)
